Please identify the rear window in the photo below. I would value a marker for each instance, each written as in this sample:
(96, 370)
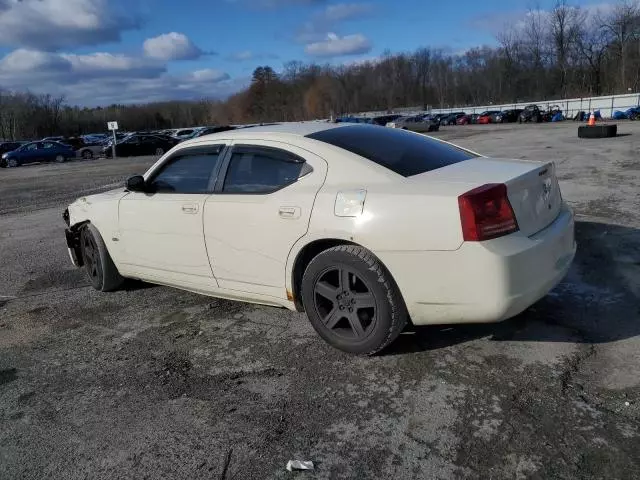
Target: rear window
(403, 152)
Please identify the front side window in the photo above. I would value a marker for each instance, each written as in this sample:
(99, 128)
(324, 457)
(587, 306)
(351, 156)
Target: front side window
(32, 147)
(262, 170)
(188, 173)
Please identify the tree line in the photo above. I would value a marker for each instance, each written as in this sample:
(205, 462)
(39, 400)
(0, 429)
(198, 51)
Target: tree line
(564, 52)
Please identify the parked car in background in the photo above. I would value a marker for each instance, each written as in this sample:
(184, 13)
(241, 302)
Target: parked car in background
(415, 124)
(463, 120)
(551, 113)
(84, 147)
(34, 152)
(211, 130)
(487, 117)
(364, 228)
(451, 118)
(531, 113)
(9, 146)
(185, 133)
(52, 139)
(141, 144)
(508, 116)
(384, 119)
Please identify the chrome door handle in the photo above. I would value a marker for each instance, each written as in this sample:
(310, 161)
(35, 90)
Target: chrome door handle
(289, 212)
(190, 208)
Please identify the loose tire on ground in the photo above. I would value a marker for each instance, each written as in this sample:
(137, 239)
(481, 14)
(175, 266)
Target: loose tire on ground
(351, 300)
(597, 131)
(102, 272)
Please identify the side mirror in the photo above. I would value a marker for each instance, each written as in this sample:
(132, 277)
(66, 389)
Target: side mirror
(136, 184)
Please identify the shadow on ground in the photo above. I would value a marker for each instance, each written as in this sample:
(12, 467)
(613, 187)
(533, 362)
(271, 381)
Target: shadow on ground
(598, 301)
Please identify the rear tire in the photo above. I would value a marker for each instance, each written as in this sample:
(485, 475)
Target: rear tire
(60, 159)
(351, 300)
(159, 152)
(87, 154)
(102, 272)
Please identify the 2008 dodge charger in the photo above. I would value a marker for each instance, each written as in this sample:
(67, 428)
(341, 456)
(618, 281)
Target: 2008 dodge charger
(364, 228)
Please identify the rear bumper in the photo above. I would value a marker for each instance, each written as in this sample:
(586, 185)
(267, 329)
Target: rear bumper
(484, 282)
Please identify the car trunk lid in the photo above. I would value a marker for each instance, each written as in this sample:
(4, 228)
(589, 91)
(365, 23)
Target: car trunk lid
(532, 187)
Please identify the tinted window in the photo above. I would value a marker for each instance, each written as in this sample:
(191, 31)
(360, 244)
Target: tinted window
(403, 152)
(190, 173)
(33, 146)
(262, 170)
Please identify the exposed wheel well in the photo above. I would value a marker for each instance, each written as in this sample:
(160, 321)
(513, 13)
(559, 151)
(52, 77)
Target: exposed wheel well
(308, 253)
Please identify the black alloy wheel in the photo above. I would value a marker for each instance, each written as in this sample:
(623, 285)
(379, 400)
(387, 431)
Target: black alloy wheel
(92, 259)
(345, 303)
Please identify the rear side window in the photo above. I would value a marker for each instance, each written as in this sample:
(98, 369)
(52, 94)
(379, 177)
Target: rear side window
(188, 173)
(402, 152)
(260, 170)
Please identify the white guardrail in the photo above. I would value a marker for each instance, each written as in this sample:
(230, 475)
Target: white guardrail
(570, 107)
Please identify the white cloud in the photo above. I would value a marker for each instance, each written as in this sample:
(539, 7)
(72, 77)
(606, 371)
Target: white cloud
(171, 46)
(327, 20)
(247, 55)
(53, 24)
(209, 75)
(335, 46)
(344, 11)
(105, 78)
(241, 56)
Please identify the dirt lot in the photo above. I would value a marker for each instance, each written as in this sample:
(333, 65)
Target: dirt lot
(152, 382)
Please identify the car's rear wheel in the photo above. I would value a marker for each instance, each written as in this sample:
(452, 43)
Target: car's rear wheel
(60, 159)
(159, 151)
(102, 272)
(352, 301)
(87, 154)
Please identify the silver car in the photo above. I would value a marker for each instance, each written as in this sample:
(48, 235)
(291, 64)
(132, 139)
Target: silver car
(418, 123)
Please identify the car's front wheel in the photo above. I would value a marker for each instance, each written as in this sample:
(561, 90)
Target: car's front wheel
(12, 163)
(352, 301)
(159, 152)
(102, 272)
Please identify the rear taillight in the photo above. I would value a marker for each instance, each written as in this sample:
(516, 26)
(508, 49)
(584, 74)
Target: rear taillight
(485, 213)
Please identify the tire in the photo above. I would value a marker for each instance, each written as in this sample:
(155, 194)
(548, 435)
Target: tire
(60, 159)
(598, 131)
(159, 152)
(12, 163)
(333, 308)
(87, 154)
(102, 272)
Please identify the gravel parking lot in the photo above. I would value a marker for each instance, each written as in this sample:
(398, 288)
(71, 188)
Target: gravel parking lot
(151, 382)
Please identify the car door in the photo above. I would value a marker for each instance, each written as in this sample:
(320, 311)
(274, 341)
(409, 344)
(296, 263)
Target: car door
(261, 207)
(47, 151)
(31, 153)
(160, 231)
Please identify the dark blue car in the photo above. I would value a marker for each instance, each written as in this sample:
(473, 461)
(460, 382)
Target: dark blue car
(45, 151)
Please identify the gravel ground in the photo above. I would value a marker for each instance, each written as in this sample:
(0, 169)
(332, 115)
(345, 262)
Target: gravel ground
(151, 382)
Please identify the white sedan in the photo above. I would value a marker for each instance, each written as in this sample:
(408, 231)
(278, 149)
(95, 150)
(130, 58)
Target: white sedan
(364, 228)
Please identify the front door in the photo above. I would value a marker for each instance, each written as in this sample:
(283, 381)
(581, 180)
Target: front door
(262, 208)
(161, 230)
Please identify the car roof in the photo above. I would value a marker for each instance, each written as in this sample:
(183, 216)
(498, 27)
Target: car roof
(298, 129)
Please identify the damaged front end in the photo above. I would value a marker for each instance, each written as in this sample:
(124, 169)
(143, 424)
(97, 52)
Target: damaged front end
(73, 240)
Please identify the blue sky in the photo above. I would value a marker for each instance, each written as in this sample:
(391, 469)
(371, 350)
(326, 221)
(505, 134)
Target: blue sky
(103, 51)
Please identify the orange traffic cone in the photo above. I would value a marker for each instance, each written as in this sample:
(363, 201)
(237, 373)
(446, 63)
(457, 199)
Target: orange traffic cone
(592, 120)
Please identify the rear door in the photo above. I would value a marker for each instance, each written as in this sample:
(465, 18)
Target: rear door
(262, 206)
